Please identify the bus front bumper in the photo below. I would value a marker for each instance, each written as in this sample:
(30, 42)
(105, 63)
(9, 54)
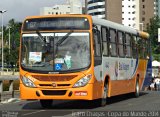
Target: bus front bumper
(80, 93)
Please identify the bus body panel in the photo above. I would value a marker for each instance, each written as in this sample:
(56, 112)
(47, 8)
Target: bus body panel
(121, 73)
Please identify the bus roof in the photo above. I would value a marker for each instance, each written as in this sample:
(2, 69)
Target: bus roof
(99, 21)
(117, 26)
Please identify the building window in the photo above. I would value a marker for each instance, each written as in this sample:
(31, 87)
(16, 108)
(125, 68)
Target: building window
(133, 6)
(143, 19)
(143, 12)
(48, 12)
(143, 0)
(143, 6)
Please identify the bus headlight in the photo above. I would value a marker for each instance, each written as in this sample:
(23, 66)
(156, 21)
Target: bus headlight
(27, 82)
(83, 81)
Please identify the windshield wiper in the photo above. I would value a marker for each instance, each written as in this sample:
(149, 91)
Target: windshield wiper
(64, 38)
(41, 37)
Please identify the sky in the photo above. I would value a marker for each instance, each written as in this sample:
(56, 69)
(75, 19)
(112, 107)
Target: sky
(19, 9)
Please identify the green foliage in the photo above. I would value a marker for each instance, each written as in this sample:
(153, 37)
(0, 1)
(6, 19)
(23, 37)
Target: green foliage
(11, 58)
(152, 29)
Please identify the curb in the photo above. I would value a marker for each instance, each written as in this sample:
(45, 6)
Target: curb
(10, 100)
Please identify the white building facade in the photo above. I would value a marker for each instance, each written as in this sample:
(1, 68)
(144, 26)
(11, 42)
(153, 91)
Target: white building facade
(132, 13)
(157, 7)
(71, 7)
(130, 10)
(96, 8)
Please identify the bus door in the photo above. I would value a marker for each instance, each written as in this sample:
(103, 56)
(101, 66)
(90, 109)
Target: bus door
(97, 54)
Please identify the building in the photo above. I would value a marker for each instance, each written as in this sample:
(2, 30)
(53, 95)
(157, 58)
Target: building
(132, 13)
(96, 8)
(71, 7)
(157, 7)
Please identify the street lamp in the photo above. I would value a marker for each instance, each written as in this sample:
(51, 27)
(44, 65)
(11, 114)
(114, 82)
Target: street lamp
(9, 37)
(3, 11)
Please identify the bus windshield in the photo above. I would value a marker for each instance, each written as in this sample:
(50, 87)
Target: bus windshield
(55, 52)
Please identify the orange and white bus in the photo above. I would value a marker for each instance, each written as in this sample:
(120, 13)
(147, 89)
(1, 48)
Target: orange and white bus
(79, 57)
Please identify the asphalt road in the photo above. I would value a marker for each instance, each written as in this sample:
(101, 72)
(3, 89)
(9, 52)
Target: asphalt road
(148, 104)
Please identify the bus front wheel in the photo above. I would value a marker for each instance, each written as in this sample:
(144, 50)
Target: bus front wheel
(104, 95)
(46, 103)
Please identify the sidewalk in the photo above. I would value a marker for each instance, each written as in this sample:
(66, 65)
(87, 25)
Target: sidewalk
(7, 98)
(9, 73)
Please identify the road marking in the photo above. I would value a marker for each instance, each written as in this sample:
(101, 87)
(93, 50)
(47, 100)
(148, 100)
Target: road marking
(32, 113)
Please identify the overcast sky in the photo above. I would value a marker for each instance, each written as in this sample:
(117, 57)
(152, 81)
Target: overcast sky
(19, 9)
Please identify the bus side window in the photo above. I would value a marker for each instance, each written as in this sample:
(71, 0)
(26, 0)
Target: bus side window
(140, 47)
(120, 43)
(147, 49)
(113, 45)
(105, 41)
(144, 48)
(134, 46)
(97, 47)
(128, 49)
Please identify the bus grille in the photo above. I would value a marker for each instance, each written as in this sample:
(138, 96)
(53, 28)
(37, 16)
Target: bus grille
(54, 92)
(54, 78)
(50, 85)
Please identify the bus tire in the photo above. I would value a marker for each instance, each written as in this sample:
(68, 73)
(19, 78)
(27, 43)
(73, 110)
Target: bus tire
(137, 88)
(104, 95)
(46, 103)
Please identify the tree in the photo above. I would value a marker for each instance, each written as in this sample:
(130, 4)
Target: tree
(15, 27)
(152, 29)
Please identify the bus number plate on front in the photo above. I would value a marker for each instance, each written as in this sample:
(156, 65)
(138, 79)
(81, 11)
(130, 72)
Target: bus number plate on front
(80, 93)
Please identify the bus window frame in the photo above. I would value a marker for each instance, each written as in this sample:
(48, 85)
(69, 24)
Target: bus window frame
(122, 44)
(127, 44)
(144, 48)
(135, 47)
(139, 47)
(148, 48)
(109, 38)
(105, 41)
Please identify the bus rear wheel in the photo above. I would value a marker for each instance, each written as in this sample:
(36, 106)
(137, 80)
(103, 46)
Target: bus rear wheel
(104, 95)
(137, 89)
(46, 103)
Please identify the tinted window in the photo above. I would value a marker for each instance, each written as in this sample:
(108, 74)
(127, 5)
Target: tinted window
(113, 46)
(120, 44)
(105, 41)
